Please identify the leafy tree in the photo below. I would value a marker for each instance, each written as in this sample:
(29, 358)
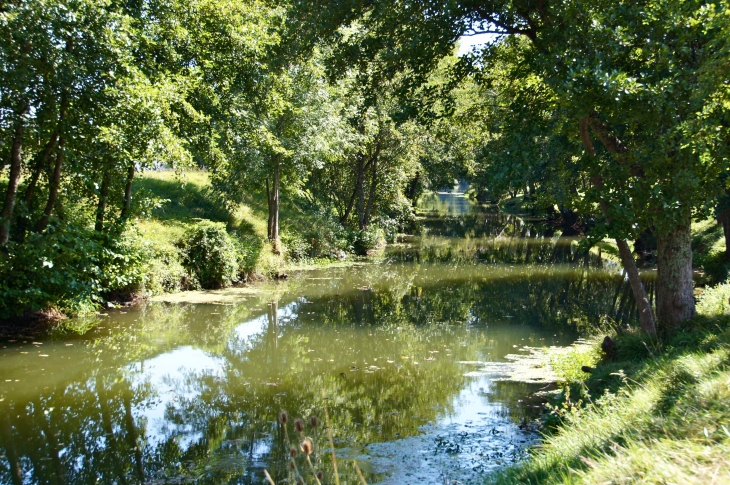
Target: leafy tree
(292, 126)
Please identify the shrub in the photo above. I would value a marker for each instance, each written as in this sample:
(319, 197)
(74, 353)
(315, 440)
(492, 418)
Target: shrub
(165, 270)
(69, 268)
(210, 254)
(248, 252)
(367, 239)
(297, 248)
(715, 301)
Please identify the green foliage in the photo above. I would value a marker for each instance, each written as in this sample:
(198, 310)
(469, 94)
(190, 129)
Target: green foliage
(210, 254)
(69, 268)
(715, 300)
(321, 237)
(165, 271)
(182, 197)
(708, 251)
(568, 365)
(367, 240)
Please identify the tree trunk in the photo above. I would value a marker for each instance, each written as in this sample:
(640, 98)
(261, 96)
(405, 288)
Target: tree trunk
(360, 189)
(351, 203)
(675, 289)
(40, 164)
(13, 181)
(6, 433)
(412, 192)
(371, 195)
(54, 185)
(646, 312)
(103, 197)
(55, 179)
(132, 436)
(273, 196)
(127, 206)
(646, 315)
(106, 425)
(53, 446)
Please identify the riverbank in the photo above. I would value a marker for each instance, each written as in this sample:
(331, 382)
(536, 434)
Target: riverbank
(650, 412)
(182, 236)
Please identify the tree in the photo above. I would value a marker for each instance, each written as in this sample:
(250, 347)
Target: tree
(292, 125)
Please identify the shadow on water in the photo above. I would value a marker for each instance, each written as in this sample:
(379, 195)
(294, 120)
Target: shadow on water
(190, 393)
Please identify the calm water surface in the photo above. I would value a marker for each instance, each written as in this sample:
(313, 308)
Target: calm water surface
(189, 393)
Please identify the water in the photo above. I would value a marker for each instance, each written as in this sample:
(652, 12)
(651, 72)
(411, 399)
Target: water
(190, 393)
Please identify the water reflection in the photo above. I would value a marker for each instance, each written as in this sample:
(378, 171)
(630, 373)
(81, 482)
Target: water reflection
(190, 393)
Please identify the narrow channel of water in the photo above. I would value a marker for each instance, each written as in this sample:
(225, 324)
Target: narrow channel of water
(189, 393)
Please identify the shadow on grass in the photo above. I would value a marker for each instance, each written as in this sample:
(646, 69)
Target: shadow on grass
(187, 201)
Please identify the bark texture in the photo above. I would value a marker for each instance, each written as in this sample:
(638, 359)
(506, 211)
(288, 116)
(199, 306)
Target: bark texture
(54, 186)
(646, 312)
(273, 198)
(41, 163)
(127, 207)
(371, 195)
(13, 180)
(647, 320)
(675, 290)
(103, 198)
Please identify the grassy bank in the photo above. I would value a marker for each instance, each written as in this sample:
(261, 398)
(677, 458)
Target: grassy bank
(183, 204)
(656, 411)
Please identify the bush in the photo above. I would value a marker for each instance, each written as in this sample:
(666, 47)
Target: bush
(367, 239)
(715, 301)
(297, 248)
(210, 254)
(248, 252)
(324, 237)
(68, 268)
(165, 270)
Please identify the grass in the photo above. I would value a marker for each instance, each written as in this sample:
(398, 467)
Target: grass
(657, 413)
(708, 250)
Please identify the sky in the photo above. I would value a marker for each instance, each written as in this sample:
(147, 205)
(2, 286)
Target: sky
(466, 43)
